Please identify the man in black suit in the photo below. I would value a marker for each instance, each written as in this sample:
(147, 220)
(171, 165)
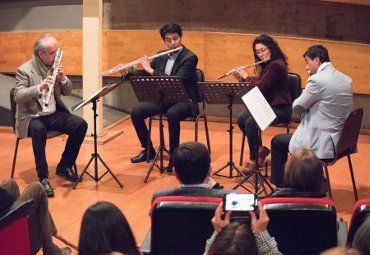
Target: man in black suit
(192, 170)
(181, 63)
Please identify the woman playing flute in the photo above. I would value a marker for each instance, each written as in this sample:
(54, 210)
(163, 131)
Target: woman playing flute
(272, 79)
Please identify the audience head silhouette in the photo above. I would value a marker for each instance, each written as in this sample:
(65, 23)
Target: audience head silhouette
(361, 240)
(104, 229)
(234, 239)
(191, 161)
(303, 172)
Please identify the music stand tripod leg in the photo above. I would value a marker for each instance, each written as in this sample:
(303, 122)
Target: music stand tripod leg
(161, 147)
(231, 163)
(95, 156)
(260, 180)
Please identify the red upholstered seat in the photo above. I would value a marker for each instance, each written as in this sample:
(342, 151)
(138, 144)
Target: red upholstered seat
(359, 212)
(14, 232)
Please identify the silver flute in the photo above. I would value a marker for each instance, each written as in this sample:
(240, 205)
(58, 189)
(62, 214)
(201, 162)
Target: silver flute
(232, 71)
(135, 62)
(46, 93)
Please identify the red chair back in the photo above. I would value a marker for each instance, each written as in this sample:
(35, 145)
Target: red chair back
(359, 213)
(14, 231)
(181, 225)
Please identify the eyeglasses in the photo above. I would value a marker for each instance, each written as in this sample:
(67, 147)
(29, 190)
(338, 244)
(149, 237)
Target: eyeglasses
(261, 51)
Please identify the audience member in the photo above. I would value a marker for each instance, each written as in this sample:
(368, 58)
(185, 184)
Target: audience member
(41, 224)
(272, 80)
(192, 170)
(104, 229)
(239, 238)
(326, 102)
(303, 176)
(35, 117)
(361, 240)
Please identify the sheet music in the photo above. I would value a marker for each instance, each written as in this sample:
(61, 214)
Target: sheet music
(259, 108)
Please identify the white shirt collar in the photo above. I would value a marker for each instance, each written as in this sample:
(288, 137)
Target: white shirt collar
(203, 185)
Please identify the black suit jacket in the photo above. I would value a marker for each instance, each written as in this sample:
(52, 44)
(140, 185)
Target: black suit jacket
(184, 67)
(192, 192)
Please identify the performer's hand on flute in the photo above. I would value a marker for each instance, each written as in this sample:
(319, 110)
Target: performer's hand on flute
(240, 73)
(145, 62)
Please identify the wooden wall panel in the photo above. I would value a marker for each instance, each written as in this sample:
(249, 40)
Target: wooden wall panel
(217, 52)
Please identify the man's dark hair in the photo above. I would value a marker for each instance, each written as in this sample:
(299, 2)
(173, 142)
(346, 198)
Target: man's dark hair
(191, 161)
(170, 28)
(317, 51)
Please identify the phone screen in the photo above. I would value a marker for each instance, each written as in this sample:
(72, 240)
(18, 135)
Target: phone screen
(240, 202)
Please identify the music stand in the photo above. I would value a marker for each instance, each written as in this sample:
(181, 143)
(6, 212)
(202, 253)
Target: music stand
(225, 93)
(159, 89)
(263, 115)
(95, 156)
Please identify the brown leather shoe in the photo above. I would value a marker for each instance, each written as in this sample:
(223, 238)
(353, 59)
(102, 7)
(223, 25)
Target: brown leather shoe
(263, 152)
(251, 166)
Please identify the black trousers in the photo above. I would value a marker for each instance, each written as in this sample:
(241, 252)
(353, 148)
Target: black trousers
(174, 112)
(72, 125)
(279, 156)
(248, 125)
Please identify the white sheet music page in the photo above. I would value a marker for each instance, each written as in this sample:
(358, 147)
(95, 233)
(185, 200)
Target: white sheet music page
(259, 108)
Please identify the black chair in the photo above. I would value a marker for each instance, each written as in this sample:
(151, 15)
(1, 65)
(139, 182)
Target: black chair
(201, 115)
(295, 89)
(346, 145)
(180, 225)
(50, 134)
(360, 211)
(14, 230)
(302, 225)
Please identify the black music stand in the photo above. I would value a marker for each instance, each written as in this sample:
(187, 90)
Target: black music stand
(264, 116)
(159, 89)
(95, 156)
(225, 93)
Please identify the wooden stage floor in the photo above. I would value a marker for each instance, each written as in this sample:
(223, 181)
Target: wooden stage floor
(68, 205)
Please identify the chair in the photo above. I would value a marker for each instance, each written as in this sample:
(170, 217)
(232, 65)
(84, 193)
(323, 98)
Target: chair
(50, 134)
(14, 230)
(295, 89)
(360, 211)
(201, 115)
(346, 145)
(180, 225)
(302, 225)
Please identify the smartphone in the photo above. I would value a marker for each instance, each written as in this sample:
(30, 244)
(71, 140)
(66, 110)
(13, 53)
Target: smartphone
(240, 202)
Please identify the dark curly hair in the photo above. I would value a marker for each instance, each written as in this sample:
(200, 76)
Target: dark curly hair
(273, 46)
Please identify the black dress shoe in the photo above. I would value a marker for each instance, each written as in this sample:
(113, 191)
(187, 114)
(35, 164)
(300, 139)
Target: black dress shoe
(47, 187)
(142, 156)
(66, 173)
